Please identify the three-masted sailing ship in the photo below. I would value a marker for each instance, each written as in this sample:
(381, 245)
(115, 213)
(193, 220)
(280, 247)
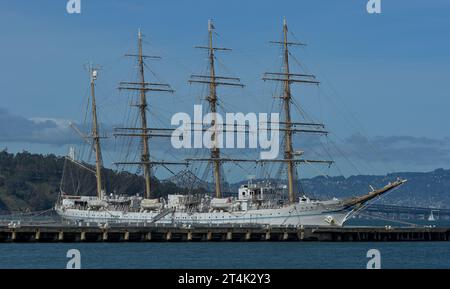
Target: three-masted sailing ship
(253, 204)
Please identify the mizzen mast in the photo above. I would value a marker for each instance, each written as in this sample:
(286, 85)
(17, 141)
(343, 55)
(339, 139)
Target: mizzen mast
(143, 112)
(93, 72)
(213, 81)
(144, 132)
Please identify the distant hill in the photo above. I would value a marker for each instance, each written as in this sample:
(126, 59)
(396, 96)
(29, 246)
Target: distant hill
(430, 189)
(28, 181)
(31, 182)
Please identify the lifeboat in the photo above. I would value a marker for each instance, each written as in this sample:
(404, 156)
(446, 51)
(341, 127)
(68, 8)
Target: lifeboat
(150, 204)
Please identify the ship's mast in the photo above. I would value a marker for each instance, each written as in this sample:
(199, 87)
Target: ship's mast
(212, 99)
(215, 152)
(143, 112)
(144, 131)
(287, 117)
(290, 127)
(95, 135)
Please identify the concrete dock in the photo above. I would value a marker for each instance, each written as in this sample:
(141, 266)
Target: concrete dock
(170, 233)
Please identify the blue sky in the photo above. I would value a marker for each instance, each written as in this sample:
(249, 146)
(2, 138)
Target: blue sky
(384, 76)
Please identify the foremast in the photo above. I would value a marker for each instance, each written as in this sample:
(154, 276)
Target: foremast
(212, 81)
(288, 126)
(287, 117)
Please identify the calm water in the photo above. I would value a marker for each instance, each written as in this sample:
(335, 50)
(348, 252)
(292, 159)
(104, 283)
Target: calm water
(232, 255)
(227, 255)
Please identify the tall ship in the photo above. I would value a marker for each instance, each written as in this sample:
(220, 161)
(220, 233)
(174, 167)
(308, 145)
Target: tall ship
(254, 203)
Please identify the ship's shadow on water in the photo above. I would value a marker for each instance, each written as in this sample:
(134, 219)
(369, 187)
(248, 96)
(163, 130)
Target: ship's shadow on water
(227, 255)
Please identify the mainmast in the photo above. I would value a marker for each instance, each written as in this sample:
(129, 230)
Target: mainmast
(215, 151)
(212, 99)
(290, 127)
(287, 117)
(95, 134)
(144, 132)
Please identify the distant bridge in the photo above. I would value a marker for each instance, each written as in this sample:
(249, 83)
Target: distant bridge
(406, 211)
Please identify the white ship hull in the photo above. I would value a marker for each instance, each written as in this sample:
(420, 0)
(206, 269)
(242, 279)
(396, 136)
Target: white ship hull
(219, 211)
(290, 215)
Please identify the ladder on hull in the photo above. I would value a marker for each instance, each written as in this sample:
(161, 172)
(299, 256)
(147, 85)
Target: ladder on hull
(162, 214)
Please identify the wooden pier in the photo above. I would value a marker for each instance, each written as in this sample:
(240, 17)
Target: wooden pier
(168, 233)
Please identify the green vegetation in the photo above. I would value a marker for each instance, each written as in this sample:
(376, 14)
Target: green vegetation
(28, 181)
(31, 182)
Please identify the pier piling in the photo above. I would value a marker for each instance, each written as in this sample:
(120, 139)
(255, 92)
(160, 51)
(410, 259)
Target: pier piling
(60, 235)
(161, 233)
